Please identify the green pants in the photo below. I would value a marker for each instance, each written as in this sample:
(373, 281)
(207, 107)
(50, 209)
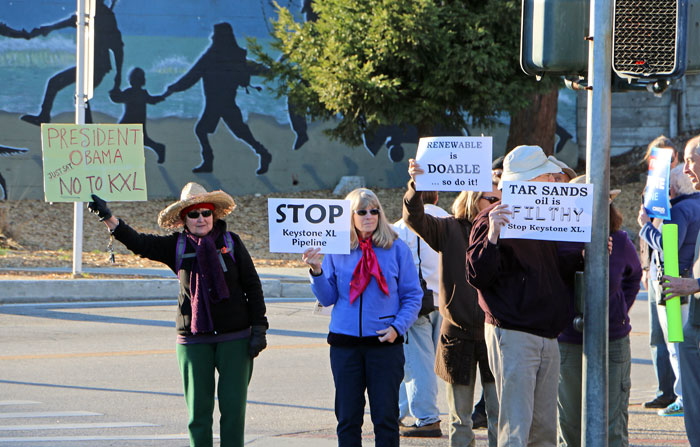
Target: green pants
(570, 393)
(235, 367)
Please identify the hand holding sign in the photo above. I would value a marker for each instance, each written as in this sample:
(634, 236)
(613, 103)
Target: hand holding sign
(498, 217)
(314, 258)
(414, 169)
(643, 217)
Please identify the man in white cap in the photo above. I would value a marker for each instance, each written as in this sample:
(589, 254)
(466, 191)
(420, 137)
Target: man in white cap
(522, 291)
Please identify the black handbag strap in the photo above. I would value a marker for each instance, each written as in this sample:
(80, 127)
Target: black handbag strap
(420, 269)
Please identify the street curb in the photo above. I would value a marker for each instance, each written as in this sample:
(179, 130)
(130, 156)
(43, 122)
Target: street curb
(15, 291)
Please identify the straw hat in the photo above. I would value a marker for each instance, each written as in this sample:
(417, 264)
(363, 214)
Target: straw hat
(525, 163)
(582, 179)
(192, 194)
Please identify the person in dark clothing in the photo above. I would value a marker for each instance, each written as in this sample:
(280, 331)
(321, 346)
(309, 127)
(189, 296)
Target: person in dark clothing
(625, 275)
(523, 293)
(220, 321)
(136, 98)
(223, 68)
(461, 345)
(107, 38)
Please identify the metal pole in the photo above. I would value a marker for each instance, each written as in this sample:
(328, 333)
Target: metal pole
(79, 119)
(595, 329)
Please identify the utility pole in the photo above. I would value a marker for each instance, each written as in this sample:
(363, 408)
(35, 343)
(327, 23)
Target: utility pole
(85, 14)
(595, 329)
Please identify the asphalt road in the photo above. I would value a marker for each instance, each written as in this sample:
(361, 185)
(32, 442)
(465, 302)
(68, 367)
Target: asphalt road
(105, 375)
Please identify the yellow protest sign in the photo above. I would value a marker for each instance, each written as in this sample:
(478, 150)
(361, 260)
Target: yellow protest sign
(103, 159)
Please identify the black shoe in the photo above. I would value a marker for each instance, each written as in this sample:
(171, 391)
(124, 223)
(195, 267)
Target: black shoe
(423, 431)
(35, 119)
(265, 159)
(479, 420)
(659, 402)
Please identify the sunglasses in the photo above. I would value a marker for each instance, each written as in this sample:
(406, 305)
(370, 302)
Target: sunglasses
(196, 214)
(491, 199)
(373, 212)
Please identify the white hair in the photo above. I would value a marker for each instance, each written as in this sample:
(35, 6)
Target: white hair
(680, 182)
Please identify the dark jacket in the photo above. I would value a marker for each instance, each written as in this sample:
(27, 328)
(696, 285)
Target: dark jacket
(521, 282)
(462, 332)
(245, 306)
(624, 276)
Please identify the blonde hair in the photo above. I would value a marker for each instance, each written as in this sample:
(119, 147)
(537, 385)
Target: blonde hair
(466, 205)
(384, 235)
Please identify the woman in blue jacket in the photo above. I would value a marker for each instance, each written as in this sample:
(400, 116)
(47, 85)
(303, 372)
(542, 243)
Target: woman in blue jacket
(376, 296)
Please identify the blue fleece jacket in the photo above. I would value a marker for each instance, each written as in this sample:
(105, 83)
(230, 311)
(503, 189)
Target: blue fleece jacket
(373, 310)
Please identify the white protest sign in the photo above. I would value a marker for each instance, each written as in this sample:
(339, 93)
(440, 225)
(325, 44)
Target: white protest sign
(548, 211)
(298, 224)
(454, 164)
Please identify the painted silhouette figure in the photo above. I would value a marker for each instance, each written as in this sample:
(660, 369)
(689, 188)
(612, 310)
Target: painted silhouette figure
(107, 38)
(222, 68)
(135, 100)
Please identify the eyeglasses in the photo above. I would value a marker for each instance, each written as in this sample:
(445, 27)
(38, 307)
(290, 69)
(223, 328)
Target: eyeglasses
(196, 214)
(373, 212)
(491, 199)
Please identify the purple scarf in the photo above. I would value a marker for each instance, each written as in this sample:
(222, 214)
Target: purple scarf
(207, 282)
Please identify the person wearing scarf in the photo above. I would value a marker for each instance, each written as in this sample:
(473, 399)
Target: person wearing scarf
(220, 321)
(376, 296)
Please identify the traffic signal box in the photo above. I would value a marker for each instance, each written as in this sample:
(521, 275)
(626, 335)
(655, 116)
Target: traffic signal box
(652, 39)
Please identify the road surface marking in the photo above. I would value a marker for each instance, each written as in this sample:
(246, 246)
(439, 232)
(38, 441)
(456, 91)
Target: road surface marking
(46, 414)
(75, 426)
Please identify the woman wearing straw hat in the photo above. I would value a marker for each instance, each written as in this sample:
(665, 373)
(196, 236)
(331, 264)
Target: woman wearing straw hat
(376, 297)
(221, 321)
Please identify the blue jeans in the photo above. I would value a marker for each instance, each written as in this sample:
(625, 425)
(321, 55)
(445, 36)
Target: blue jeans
(689, 356)
(419, 389)
(659, 352)
(379, 370)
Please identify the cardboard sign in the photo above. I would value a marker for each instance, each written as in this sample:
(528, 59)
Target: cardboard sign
(102, 159)
(298, 224)
(548, 211)
(656, 198)
(455, 164)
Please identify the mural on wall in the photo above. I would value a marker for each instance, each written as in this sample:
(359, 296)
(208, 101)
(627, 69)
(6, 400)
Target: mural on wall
(188, 70)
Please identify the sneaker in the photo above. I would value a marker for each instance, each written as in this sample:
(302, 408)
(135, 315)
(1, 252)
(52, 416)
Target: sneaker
(479, 420)
(675, 409)
(421, 431)
(659, 402)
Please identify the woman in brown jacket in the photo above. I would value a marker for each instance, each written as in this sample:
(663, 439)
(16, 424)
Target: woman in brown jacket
(461, 346)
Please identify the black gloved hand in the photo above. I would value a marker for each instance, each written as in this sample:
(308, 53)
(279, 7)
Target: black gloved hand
(257, 341)
(99, 207)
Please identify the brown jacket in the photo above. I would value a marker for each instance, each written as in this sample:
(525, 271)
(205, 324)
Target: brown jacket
(462, 332)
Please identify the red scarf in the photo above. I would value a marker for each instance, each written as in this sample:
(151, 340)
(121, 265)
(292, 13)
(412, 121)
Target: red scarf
(365, 270)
